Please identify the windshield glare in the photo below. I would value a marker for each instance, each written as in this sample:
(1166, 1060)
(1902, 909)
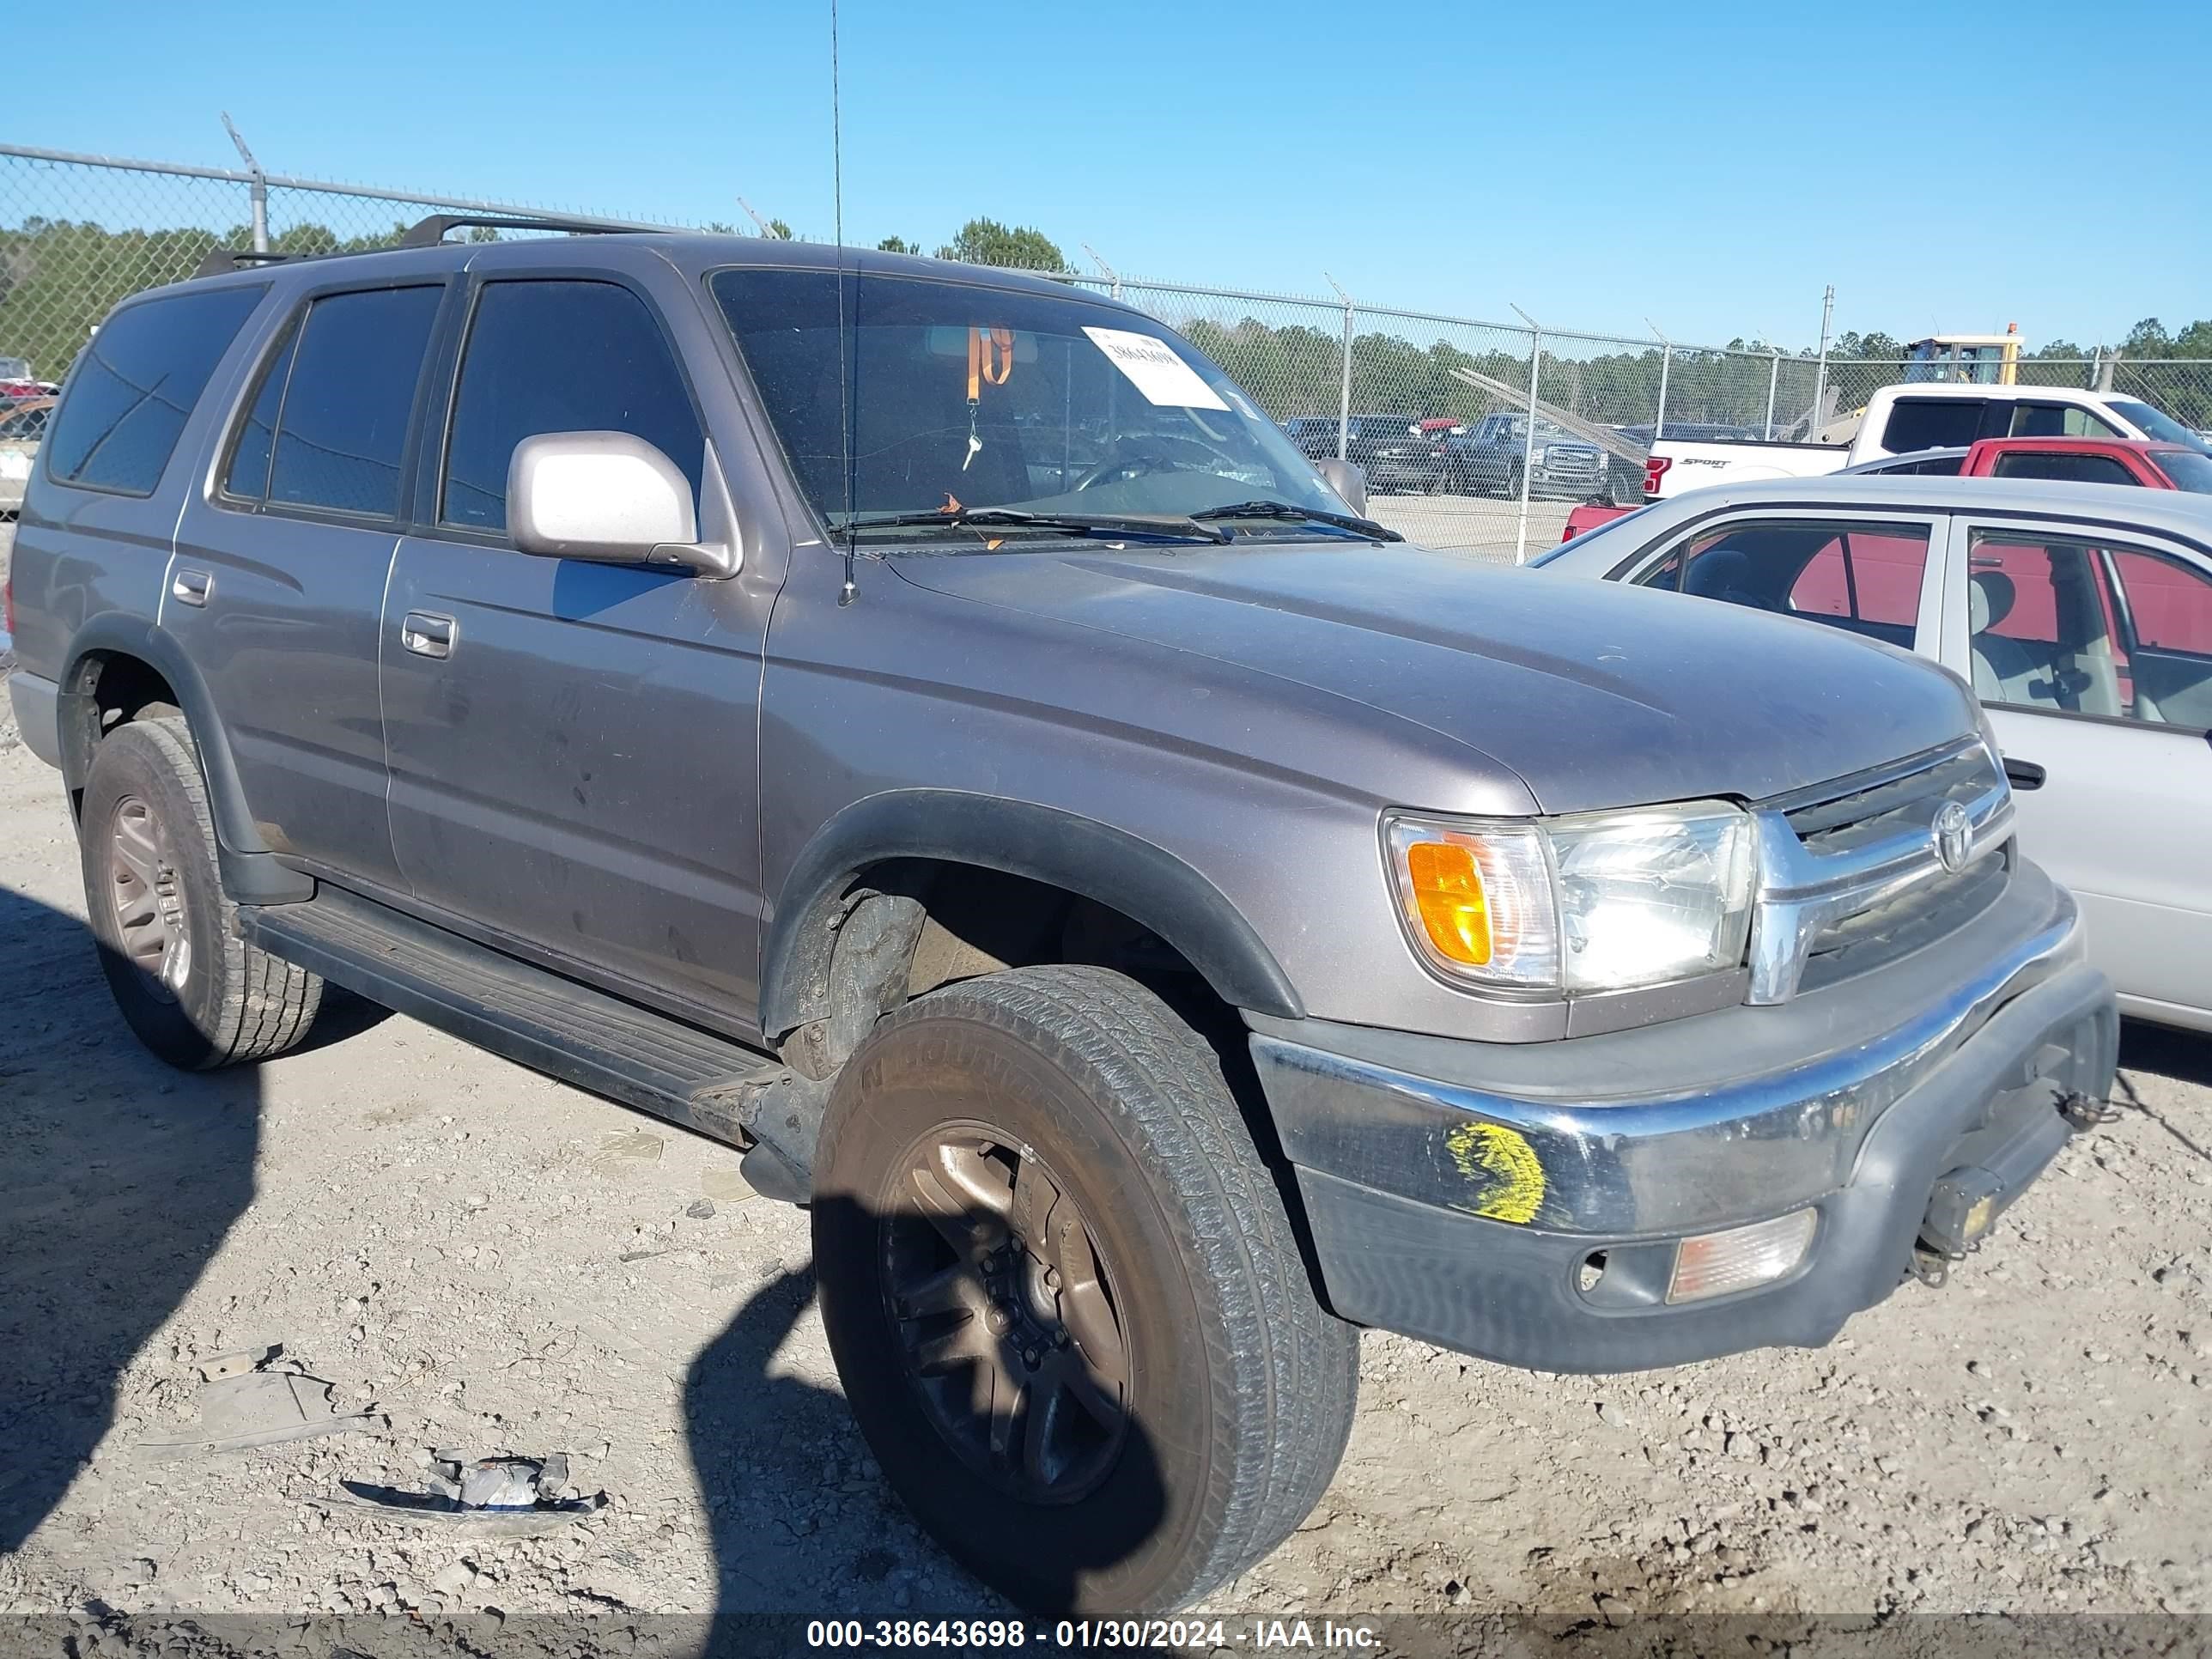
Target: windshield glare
(963, 396)
(2157, 424)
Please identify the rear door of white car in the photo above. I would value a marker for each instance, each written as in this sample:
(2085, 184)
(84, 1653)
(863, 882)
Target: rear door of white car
(2092, 651)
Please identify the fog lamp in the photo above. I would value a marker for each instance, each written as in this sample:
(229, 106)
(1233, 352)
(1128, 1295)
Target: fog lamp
(1714, 1264)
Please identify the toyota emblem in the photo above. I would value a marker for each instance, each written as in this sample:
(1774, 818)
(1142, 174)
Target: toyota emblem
(1953, 832)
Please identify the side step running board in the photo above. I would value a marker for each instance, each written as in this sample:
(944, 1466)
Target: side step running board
(554, 1026)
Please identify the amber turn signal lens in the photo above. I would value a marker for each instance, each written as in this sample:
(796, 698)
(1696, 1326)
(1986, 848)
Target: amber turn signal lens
(1448, 891)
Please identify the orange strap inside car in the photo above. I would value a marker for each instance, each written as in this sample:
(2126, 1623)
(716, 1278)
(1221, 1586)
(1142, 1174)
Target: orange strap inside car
(990, 359)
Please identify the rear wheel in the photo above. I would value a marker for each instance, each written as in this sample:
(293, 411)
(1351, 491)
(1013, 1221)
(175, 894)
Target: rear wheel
(1063, 1296)
(187, 985)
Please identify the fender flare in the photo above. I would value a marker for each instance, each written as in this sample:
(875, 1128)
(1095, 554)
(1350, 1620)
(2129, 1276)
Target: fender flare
(1145, 883)
(251, 871)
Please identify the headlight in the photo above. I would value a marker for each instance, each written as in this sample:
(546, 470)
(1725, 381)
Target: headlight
(1599, 901)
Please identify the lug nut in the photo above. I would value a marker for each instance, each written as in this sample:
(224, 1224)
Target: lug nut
(1052, 1278)
(999, 1320)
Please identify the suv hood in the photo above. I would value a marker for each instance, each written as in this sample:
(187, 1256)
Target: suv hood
(1596, 695)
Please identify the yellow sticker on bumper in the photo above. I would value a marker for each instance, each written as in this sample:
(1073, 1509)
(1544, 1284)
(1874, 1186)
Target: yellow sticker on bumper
(1502, 1167)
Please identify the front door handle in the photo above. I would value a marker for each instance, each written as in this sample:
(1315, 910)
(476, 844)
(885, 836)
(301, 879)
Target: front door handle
(191, 586)
(428, 636)
(2024, 775)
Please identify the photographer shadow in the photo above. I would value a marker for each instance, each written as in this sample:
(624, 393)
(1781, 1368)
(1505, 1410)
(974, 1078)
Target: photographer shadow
(765, 1443)
(119, 1181)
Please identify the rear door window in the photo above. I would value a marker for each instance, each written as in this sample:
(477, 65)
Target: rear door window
(2070, 469)
(140, 377)
(1864, 578)
(342, 416)
(1932, 423)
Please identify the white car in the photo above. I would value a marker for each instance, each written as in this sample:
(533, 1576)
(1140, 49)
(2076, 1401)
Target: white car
(2082, 616)
(1898, 420)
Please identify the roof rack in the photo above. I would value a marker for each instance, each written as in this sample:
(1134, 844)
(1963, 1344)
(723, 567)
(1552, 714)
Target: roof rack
(423, 233)
(219, 260)
(428, 233)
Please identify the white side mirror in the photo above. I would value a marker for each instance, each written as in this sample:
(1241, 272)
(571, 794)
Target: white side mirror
(607, 498)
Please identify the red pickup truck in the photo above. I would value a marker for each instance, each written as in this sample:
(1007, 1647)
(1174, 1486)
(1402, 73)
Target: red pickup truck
(2138, 461)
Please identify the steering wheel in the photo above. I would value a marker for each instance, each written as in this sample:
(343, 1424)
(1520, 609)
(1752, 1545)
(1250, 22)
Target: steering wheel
(1120, 467)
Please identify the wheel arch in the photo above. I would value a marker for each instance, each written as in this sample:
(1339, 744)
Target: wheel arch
(1081, 856)
(116, 640)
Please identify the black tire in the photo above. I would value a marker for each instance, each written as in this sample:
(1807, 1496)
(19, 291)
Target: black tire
(1240, 1389)
(232, 1002)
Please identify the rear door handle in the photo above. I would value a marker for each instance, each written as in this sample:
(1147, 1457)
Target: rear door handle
(2024, 775)
(428, 636)
(191, 586)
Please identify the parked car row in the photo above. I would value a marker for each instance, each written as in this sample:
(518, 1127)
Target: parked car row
(1487, 456)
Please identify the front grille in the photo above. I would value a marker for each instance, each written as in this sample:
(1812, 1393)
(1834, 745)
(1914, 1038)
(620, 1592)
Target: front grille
(1854, 879)
(1884, 933)
(1831, 828)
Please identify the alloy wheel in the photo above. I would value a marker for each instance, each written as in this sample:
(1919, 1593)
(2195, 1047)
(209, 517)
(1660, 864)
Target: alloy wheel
(1005, 1310)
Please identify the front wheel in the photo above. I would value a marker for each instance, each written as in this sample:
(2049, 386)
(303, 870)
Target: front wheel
(1065, 1299)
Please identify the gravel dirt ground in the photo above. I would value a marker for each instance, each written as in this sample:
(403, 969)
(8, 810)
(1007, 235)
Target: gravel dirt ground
(490, 1261)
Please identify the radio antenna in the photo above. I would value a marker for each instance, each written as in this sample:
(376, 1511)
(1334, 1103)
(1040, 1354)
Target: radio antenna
(845, 594)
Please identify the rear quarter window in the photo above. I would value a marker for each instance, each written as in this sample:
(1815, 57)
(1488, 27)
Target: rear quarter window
(1932, 423)
(136, 385)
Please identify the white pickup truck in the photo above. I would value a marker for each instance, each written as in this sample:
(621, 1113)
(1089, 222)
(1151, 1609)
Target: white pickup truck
(1901, 419)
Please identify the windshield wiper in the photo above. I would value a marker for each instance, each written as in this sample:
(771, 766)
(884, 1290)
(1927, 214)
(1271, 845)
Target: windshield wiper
(1164, 526)
(1303, 515)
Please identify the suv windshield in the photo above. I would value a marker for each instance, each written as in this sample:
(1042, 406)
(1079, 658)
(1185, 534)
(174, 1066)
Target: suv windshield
(960, 397)
(2154, 424)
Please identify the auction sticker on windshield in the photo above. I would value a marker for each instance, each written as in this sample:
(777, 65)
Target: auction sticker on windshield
(1154, 370)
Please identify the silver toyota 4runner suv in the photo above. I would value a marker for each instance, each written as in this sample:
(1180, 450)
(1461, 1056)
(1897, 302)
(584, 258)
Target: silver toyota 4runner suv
(925, 727)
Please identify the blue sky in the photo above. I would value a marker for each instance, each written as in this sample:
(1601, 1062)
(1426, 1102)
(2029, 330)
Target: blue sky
(1710, 167)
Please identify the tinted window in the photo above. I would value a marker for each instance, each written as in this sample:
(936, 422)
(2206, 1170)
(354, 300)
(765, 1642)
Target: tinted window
(247, 475)
(2071, 469)
(343, 425)
(1932, 422)
(612, 372)
(141, 375)
(1865, 578)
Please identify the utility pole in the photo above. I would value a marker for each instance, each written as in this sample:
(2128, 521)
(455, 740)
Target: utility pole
(755, 217)
(257, 188)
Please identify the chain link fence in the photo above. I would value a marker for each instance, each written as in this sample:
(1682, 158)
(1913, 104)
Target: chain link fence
(78, 233)
(1474, 435)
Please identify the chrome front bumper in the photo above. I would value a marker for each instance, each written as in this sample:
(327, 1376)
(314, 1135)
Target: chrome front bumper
(1458, 1208)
